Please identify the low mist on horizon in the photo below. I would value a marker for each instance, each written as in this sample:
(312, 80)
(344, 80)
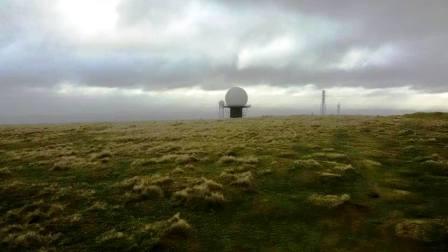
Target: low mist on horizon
(119, 60)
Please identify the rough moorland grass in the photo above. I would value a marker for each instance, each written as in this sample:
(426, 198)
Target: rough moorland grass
(299, 183)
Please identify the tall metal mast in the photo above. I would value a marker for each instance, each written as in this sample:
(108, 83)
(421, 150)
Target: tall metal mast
(323, 106)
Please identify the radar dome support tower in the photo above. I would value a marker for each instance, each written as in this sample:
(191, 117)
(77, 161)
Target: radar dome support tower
(236, 112)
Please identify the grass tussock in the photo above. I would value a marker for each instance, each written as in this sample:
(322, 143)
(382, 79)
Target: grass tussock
(177, 225)
(25, 228)
(103, 156)
(238, 176)
(178, 170)
(335, 171)
(73, 219)
(176, 158)
(12, 185)
(368, 163)
(328, 175)
(55, 191)
(204, 191)
(144, 187)
(329, 156)
(346, 170)
(112, 236)
(173, 225)
(26, 237)
(436, 166)
(244, 179)
(227, 159)
(396, 195)
(425, 230)
(65, 163)
(69, 163)
(157, 232)
(5, 172)
(34, 212)
(140, 162)
(148, 236)
(265, 171)
(165, 148)
(98, 206)
(306, 164)
(328, 200)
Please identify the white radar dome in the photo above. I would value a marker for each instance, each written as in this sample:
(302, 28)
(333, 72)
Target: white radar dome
(236, 96)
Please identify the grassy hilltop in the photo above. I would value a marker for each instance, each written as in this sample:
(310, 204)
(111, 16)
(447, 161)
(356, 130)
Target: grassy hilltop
(297, 183)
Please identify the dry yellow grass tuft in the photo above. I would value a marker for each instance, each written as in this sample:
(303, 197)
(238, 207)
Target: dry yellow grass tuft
(328, 175)
(227, 159)
(395, 195)
(328, 200)
(55, 191)
(329, 156)
(165, 148)
(177, 225)
(74, 218)
(4, 172)
(189, 167)
(140, 182)
(113, 235)
(244, 179)
(344, 168)
(266, 171)
(163, 181)
(177, 170)
(176, 158)
(239, 176)
(140, 162)
(371, 163)
(206, 190)
(211, 184)
(144, 187)
(306, 164)
(69, 162)
(27, 236)
(438, 166)
(97, 205)
(34, 212)
(174, 225)
(11, 185)
(425, 230)
(102, 157)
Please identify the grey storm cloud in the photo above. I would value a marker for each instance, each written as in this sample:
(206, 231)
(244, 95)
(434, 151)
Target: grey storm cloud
(35, 51)
(161, 45)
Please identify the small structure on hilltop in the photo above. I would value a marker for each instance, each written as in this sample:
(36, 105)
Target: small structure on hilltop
(221, 105)
(236, 100)
(323, 106)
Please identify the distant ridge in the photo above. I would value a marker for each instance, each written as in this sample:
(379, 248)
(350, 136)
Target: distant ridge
(428, 115)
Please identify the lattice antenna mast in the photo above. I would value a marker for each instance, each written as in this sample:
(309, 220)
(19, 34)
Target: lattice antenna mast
(339, 108)
(323, 106)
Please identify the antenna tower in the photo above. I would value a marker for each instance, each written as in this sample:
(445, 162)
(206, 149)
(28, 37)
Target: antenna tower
(323, 106)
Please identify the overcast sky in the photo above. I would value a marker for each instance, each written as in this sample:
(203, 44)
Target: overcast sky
(85, 60)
